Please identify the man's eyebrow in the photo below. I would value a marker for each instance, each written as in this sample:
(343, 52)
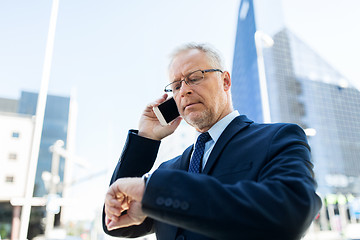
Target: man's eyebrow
(185, 75)
(179, 79)
(176, 80)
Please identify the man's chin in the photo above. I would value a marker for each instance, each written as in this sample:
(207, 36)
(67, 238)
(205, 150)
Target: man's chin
(197, 119)
(193, 117)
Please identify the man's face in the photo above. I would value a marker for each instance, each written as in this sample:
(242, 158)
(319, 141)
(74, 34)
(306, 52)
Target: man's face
(204, 104)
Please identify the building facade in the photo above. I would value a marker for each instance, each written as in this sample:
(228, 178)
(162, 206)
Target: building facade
(16, 131)
(15, 140)
(55, 128)
(301, 88)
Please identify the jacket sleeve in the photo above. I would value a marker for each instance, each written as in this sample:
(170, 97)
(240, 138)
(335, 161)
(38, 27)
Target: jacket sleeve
(279, 204)
(137, 158)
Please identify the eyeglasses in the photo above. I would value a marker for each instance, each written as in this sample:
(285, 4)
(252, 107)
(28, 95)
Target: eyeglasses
(192, 78)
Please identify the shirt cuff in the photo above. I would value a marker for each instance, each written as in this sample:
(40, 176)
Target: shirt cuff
(146, 178)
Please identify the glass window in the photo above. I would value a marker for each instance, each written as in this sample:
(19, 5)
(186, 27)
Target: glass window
(12, 156)
(9, 179)
(15, 134)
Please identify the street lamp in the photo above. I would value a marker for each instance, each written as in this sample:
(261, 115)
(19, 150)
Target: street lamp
(52, 180)
(262, 40)
(39, 119)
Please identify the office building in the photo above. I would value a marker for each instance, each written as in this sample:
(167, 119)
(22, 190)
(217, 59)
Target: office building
(55, 128)
(16, 131)
(17, 125)
(298, 86)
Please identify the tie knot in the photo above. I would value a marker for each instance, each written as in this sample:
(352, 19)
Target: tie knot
(204, 137)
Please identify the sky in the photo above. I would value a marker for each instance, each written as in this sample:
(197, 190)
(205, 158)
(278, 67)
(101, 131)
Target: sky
(112, 56)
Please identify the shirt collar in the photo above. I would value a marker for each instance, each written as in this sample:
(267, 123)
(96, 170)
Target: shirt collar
(218, 128)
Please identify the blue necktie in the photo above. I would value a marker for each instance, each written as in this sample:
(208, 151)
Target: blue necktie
(195, 162)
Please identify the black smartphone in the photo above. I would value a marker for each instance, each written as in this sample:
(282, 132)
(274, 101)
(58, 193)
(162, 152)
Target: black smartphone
(166, 112)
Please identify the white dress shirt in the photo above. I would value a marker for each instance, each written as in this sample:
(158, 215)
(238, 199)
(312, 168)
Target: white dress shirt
(215, 132)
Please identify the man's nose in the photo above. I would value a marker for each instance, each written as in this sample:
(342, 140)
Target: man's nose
(185, 88)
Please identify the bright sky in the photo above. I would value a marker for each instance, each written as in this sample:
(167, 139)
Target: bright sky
(115, 53)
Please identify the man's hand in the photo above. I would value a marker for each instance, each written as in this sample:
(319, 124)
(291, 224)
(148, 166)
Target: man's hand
(150, 126)
(124, 194)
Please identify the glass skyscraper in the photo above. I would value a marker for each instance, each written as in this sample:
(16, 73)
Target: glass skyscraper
(302, 88)
(54, 128)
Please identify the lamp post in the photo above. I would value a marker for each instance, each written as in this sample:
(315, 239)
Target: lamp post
(53, 180)
(39, 120)
(52, 183)
(263, 40)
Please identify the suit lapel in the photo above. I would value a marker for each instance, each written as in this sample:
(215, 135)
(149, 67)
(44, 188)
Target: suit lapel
(233, 128)
(183, 162)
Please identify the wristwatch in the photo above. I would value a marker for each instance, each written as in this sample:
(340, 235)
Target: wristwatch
(146, 178)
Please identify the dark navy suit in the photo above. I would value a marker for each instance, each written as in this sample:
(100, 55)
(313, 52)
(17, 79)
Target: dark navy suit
(257, 184)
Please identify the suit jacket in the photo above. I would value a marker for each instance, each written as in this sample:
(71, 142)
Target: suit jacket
(258, 183)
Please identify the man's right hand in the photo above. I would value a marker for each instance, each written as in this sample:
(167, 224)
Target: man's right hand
(149, 125)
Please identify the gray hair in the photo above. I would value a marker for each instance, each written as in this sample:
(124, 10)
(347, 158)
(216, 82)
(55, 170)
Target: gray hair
(212, 54)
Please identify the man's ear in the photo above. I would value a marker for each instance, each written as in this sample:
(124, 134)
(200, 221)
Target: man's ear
(227, 80)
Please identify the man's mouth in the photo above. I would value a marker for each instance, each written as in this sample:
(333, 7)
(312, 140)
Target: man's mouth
(190, 105)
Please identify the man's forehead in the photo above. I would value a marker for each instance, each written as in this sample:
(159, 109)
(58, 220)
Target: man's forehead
(188, 55)
(185, 62)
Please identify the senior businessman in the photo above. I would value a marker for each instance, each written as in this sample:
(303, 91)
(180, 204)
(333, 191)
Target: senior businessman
(238, 180)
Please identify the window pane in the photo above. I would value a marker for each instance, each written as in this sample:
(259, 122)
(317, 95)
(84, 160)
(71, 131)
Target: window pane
(15, 134)
(12, 156)
(9, 179)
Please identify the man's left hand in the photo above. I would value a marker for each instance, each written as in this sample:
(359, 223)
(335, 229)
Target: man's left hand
(124, 194)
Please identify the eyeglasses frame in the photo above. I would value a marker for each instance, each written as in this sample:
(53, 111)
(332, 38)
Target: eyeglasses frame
(186, 77)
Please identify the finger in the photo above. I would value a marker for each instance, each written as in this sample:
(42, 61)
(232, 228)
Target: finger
(162, 99)
(112, 194)
(122, 200)
(107, 220)
(157, 102)
(114, 203)
(119, 196)
(111, 215)
(112, 224)
(123, 221)
(125, 203)
(115, 211)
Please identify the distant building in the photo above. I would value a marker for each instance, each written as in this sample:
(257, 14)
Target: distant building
(302, 88)
(16, 133)
(55, 128)
(15, 140)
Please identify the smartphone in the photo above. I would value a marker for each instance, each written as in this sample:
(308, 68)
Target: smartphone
(166, 112)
